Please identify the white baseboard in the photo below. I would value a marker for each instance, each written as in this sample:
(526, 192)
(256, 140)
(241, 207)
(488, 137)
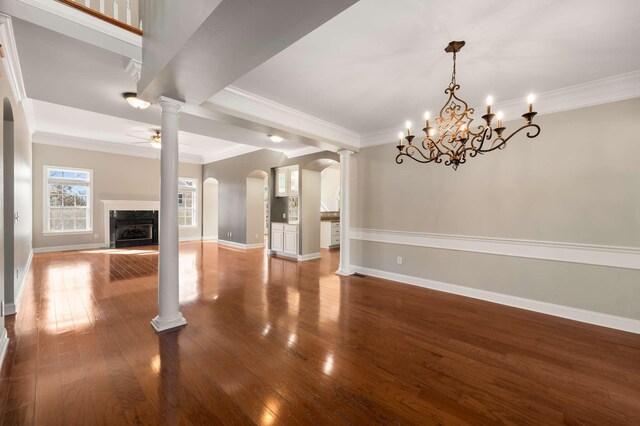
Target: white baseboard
(311, 256)
(232, 244)
(254, 245)
(576, 314)
(4, 344)
(184, 239)
(300, 257)
(69, 248)
(210, 237)
(12, 308)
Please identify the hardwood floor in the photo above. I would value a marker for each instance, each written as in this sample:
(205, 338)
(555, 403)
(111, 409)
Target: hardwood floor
(271, 341)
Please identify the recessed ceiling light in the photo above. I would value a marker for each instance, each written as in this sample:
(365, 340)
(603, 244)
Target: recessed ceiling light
(134, 101)
(275, 138)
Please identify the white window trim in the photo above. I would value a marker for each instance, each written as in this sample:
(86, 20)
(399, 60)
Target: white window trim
(195, 204)
(45, 202)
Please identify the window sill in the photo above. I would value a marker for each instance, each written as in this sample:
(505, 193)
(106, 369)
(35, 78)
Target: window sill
(50, 233)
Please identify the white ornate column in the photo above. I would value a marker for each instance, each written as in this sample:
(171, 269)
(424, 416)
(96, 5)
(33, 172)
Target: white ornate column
(345, 223)
(169, 315)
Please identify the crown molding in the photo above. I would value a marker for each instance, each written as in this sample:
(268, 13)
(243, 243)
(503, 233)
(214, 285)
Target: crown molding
(14, 72)
(251, 106)
(84, 19)
(303, 151)
(233, 151)
(11, 61)
(597, 92)
(66, 141)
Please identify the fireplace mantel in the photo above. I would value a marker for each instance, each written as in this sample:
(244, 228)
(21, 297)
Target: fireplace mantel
(110, 205)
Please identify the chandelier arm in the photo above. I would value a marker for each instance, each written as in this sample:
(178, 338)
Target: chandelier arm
(534, 132)
(426, 160)
(416, 150)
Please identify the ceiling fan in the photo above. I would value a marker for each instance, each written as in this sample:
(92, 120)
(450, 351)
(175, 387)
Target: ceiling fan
(154, 141)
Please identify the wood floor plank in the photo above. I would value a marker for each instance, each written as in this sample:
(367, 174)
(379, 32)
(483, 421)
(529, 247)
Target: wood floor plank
(273, 341)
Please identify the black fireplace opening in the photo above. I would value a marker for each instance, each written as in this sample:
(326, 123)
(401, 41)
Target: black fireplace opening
(131, 228)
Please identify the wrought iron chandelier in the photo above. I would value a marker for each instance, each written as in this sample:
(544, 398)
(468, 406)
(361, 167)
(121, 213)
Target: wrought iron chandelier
(453, 138)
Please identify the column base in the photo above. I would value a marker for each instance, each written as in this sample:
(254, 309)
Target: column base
(344, 272)
(161, 325)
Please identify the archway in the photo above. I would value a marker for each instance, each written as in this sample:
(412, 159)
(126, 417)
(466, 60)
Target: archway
(210, 207)
(8, 176)
(257, 209)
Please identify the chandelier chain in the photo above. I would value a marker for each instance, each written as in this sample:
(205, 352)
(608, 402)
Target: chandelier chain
(453, 75)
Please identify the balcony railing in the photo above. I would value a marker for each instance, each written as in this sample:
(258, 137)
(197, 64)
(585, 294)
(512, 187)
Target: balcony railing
(122, 13)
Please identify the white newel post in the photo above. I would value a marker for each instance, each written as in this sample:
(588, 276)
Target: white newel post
(345, 223)
(169, 315)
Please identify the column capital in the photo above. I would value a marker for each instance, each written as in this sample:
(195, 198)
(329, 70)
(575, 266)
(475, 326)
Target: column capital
(169, 104)
(345, 153)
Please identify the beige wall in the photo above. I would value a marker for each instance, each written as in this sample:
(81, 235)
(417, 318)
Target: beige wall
(255, 210)
(310, 212)
(210, 209)
(576, 183)
(115, 177)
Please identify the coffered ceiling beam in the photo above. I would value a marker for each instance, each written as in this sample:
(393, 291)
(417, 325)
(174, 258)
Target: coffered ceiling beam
(235, 37)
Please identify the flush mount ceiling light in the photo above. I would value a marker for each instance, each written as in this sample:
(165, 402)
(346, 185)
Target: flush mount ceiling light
(453, 136)
(275, 138)
(134, 101)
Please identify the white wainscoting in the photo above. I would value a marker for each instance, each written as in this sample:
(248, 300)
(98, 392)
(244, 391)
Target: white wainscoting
(582, 315)
(619, 257)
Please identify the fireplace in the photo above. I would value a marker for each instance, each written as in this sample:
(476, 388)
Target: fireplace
(130, 228)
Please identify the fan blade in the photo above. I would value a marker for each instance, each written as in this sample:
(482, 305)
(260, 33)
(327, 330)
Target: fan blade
(138, 137)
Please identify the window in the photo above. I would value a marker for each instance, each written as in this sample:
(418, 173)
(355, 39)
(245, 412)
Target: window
(67, 205)
(187, 202)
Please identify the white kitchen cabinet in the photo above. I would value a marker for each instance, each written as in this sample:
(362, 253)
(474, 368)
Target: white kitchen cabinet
(291, 241)
(284, 239)
(329, 233)
(282, 183)
(288, 181)
(277, 237)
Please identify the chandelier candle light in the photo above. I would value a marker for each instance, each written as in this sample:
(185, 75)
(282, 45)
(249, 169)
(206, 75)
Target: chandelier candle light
(452, 139)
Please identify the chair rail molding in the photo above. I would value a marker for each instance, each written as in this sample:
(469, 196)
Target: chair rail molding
(601, 255)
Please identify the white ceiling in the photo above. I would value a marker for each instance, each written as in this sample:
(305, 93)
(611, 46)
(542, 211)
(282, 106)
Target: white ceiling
(53, 121)
(76, 91)
(381, 62)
